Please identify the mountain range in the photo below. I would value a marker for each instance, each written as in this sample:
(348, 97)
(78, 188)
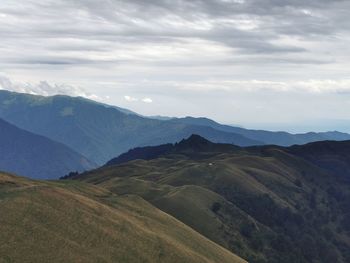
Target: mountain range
(100, 132)
(263, 203)
(267, 137)
(167, 189)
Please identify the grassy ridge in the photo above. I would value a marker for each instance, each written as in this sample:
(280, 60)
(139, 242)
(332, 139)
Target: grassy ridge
(267, 204)
(75, 222)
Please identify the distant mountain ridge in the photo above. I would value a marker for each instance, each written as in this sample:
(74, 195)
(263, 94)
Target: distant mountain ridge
(36, 156)
(267, 137)
(101, 132)
(95, 130)
(316, 152)
(194, 143)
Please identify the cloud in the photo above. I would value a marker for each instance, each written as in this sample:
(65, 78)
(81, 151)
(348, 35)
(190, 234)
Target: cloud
(325, 86)
(133, 99)
(312, 86)
(147, 100)
(44, 88)
(111, 31)
(130, 99)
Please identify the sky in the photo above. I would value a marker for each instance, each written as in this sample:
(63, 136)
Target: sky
(272, 64)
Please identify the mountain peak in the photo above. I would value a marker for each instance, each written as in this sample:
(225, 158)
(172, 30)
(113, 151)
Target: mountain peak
(195, 141)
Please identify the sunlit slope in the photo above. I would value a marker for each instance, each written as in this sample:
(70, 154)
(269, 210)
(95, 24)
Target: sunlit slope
(75, 222)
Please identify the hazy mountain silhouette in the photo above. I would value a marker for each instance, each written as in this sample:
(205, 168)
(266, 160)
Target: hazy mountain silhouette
(101, 132)
(36, 156)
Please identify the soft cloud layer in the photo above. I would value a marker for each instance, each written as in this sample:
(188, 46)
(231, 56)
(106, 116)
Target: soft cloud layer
(147, 100)
(44, 88)
(184, 55)
(133, 99)
(130, 99)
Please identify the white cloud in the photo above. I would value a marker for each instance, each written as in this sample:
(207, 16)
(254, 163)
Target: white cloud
(44, 88)
(324, 86)
(130, 99)
(306, 86)
(147, 100)
(134, 99)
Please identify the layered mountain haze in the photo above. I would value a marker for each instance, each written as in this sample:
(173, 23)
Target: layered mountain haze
(36, 156)
(101, 132)
(268, 137)
(265, 203)
(96, 130)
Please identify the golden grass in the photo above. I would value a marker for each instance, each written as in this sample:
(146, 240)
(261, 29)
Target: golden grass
(75, 222)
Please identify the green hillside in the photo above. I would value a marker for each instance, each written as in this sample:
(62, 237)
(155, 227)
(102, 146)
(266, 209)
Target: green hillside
(75, 222)
(267, 204)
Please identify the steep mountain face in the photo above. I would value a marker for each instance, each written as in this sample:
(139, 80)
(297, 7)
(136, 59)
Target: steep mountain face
(75, 222)
(268, 137)
(36, 156)
(266, 204)
(95, 130)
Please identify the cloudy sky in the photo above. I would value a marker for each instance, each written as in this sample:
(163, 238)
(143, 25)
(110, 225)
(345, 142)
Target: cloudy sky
(276, 64)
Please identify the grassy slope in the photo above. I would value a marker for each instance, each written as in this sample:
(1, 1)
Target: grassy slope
(270, 194)
(75, 222)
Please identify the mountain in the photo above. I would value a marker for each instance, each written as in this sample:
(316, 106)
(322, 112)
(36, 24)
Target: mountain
(101, 132)
(36, 156)
(75, 222)
(162, 118)
(194, 143)
(267, 137)
(330, 155)
(264, 203)
(96, 130)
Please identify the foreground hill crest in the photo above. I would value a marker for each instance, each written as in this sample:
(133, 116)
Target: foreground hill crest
(76, 222)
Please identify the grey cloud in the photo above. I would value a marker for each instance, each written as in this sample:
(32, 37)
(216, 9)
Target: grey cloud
(139, 44)
(109, 20)
(121, 21)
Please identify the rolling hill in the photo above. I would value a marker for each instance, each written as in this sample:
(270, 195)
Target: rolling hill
(265, 203)
(36, 156)
(74, 222)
